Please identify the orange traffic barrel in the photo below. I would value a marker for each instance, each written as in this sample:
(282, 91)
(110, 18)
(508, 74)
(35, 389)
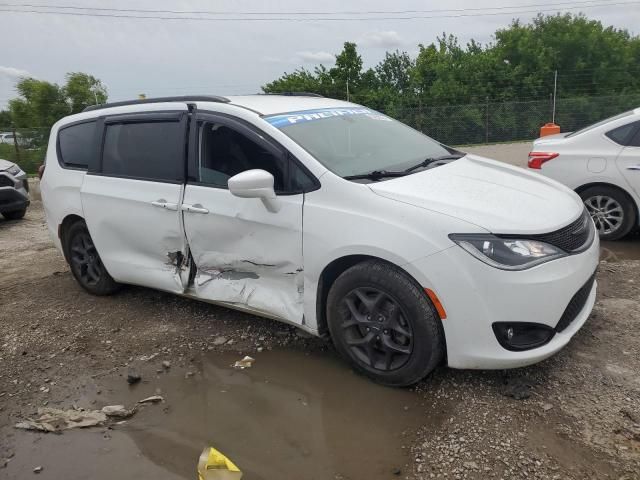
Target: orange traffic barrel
(549, 129)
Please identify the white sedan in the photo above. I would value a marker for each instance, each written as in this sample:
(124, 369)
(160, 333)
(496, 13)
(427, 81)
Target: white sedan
(601, 163)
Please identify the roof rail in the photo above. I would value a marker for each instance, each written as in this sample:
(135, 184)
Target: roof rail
(296, 94)
(184, 98)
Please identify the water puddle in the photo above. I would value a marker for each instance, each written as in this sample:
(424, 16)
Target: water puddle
(292, 415)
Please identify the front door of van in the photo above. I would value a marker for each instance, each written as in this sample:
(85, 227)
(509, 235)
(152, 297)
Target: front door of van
(131, 198)
(245, 254)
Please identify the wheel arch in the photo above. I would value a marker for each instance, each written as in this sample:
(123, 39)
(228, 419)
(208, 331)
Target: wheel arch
(622, 190)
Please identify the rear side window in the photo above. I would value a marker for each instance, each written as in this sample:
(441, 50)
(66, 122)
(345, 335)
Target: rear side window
(76, 144)
(621, 135)
(145, 150)
(635, 141)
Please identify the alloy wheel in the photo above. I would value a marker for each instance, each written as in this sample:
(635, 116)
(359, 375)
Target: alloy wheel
(606, 212)
(85, 259)
(376, 329)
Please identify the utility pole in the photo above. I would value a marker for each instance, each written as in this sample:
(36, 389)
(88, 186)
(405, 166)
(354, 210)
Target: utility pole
(347, 89)
(555, 92)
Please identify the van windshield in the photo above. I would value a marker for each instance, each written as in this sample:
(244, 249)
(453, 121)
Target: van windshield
(354, 141)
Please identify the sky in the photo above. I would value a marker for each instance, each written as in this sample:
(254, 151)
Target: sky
(239, 54)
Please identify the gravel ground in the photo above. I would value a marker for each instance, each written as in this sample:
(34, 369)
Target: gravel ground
(576, 415)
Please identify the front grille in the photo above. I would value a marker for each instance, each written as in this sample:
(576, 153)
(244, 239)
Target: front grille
(576, 304)
(571, 237)
(5, 181)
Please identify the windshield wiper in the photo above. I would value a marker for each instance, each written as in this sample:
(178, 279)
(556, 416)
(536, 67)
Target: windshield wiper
(378, 174)
(428, 161)
(375, 175)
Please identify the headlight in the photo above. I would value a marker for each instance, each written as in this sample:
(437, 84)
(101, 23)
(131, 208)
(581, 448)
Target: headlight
(14, 170)
(507, 253)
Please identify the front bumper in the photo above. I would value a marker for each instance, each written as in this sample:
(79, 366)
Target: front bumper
(14, 193)
(476, 295)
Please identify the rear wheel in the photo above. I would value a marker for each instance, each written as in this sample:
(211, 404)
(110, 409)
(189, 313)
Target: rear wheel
(384, 324)
(15, 215)
(612, 211)
(86, 265)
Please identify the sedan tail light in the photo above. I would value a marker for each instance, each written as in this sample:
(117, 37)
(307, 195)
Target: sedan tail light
(536, 159)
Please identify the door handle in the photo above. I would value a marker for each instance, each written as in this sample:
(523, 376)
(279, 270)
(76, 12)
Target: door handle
(633, 167)
(195, 208)
(162, 203)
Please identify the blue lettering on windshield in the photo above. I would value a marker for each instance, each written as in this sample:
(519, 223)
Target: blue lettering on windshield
(293, 118)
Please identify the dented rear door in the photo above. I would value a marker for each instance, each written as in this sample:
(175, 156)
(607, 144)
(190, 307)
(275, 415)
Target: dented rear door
(244, 254)
(131, 198)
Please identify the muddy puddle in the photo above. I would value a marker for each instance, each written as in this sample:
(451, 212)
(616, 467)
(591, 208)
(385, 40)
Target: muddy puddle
(292, 415)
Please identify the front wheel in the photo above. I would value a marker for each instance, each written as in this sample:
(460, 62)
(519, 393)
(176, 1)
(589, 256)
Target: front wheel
(612, 211)
(86, 265)
(384, 324)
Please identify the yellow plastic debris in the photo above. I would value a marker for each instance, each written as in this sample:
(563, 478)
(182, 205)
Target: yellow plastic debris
(213, 465)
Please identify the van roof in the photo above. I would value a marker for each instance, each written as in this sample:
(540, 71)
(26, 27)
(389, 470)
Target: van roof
(272, 104)
(263, 104)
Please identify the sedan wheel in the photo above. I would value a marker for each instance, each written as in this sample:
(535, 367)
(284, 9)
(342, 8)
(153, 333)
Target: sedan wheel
(606, 212)
(611, 209)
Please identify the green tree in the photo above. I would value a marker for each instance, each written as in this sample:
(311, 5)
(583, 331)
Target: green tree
(5, 119)
(40, 103)
(82, 90)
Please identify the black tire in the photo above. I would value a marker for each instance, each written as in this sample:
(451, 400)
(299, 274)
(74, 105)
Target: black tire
(612, 211)
(15, 215)
(84, 260)
(401, 341)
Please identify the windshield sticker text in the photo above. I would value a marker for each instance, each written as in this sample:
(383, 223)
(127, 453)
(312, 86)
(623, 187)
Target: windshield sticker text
(293, 118)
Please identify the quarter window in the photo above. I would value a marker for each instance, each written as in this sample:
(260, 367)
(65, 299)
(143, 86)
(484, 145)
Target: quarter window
(144, 150)
(77, 144)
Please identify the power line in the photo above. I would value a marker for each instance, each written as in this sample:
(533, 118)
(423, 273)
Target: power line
(344, 12)
(314, 19)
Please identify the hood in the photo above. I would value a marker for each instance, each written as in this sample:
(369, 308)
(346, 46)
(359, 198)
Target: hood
(497, 197)
(5, 164)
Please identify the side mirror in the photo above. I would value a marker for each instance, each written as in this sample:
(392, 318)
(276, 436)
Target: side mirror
(255, 184)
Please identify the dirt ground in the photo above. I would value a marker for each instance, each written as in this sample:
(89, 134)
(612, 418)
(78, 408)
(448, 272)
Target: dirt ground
(299, 412)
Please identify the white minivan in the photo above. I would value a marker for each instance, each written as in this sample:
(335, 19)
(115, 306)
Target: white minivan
(329, 216)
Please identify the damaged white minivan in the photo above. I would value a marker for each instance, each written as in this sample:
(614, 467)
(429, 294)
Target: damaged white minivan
(329, 216)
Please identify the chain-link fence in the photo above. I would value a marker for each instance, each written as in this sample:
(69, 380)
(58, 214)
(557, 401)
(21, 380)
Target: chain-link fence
(451, 124)
(510, 121)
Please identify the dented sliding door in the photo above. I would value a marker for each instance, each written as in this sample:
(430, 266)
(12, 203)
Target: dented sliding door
(131, 199)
